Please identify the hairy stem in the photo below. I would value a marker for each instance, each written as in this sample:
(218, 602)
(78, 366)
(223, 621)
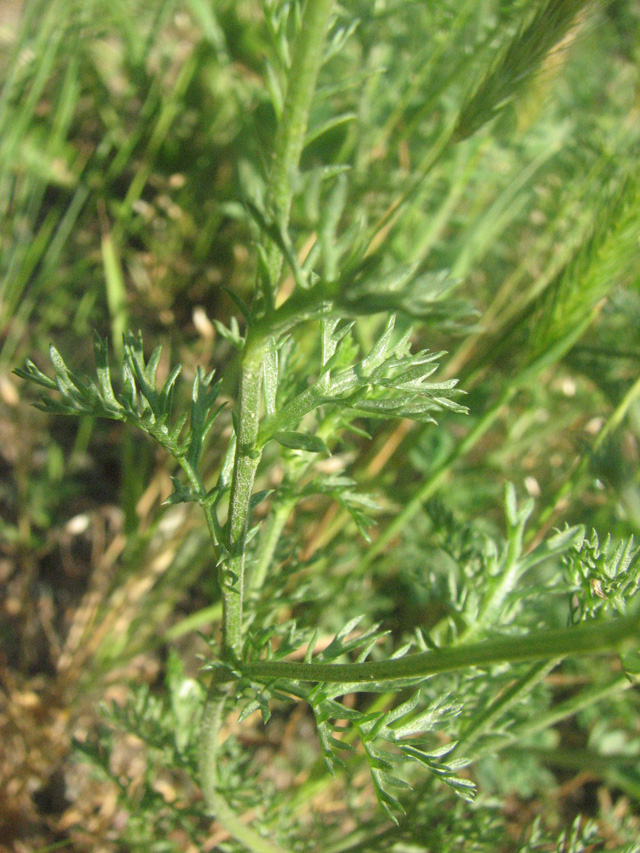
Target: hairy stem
(289, 142)
(305, 64)
(217, 805)
(587, 638)
(306, 61)
(244, 472)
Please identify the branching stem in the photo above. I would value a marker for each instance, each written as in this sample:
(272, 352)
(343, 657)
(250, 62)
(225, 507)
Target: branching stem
(584, 639)
(306, 62)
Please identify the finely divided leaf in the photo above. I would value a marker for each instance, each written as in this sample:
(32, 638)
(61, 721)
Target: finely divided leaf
(301, 441)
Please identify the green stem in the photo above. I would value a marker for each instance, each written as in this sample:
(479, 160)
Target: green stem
(294, 469)
(292, 127)
(500, 587)
(289, 141)
(246, 463)
(217, 805)
(268, 544)
(306, 61)
(587, 638)
(198, 486)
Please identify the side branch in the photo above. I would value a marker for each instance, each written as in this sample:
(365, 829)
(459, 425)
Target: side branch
(587, 638)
